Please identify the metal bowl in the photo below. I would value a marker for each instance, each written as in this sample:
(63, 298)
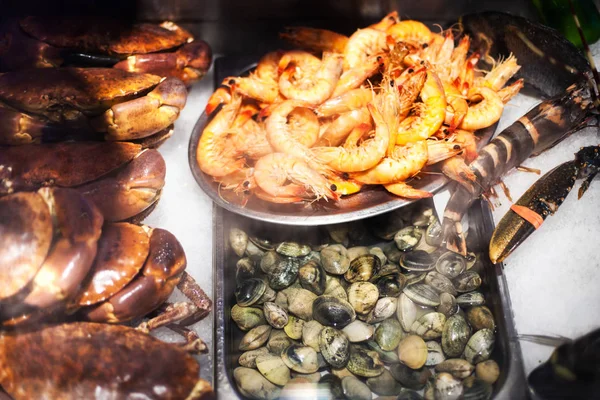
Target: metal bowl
(368, 202)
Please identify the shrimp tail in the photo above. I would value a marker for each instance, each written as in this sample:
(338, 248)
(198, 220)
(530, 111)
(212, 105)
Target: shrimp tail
(402, 189)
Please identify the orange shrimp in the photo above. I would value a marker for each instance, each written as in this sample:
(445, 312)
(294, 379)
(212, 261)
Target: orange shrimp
(363, 44)
(485, 113)
(386, 22)
(403, 189)
(338, 130)
(413, 32)
(353, 78)
(351, 100)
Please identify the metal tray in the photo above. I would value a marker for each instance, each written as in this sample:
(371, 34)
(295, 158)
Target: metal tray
(511, 383)
(367, 203)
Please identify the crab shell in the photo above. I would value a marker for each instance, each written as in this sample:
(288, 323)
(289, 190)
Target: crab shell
(162, 49)
(120, 178)
(88, 360)
(120, 105)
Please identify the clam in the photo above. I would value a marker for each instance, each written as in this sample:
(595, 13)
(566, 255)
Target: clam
(417, 261)
(247, 318)
(406, 311)
(388, 334)
(412, 351)
(275, 315)
(332, 311)
(294, 327)
(414, 277)
(333, 287)
(263, 244)
(377, 252)
(480, 346)
(409, 395)
(312, 277)
(488, 371)
(448, 305)
(480, 317)
(293, 249)
(363, 296)
(354, 389)
(451, 264)
(284, 273)
(388, 357)
(429, 326)
(299, 384)
(281, 300)
(334, 347)
(476, 389)
(278, 341)
(435, 355)
(406, 239)
(358, 331)
(467, 281)
(238, 239)
(310, 334)
(455, 335)
(470, 299)
(433, 234)
(457, 367)
(273, 368)
(269, 261)
(390, 285)
(429, 390)
(248, 358)
(333, 384)
(384, 384)
(268, 295)
(447, 387)
(385, 226)
(301, 359)
(254, 252)
(364, 362)
(335, 259)
(422, 217)
(384, 308)
(253, 385)
(357, 251)
(338, 232)
(250, 291)
(411, 378)
(362, 268)
(472, 259)
(422, 294)
(245, 268)
(441, 283)
(300, 302)
(392, 252)
(255, 337)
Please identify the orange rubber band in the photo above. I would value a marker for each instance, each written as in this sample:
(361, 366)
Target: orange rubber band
(528, 215)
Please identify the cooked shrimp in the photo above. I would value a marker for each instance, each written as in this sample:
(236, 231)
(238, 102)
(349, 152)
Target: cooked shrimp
(353, 78)
(268, 66)
(305, 62)
(320, 86)
(413, 32)
(403, 189)
(485, 113)
(403, 163)
(465, 81)
(510, 91)
(467, 141)
(315, 39)
(351, 100)
(356, 136)
(222, 95)
(431, 114)
(283, 175)
(459, 58)
(254, 87)
(239, 181)
(409, 86)
(439, 51)
(456, 169)
(440, 150)
(363, 44)
(261, 194)
(251, 140)
(304, 126)
(457, 107)
(500, 74)
(338, 130)
(362, 157)
(386, 22)
(214, 154)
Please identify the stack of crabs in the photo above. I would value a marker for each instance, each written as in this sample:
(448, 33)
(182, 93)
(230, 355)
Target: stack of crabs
(79, 170)
(374, 108)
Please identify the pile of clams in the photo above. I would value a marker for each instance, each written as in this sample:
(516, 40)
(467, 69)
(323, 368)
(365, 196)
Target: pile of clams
(400, 319)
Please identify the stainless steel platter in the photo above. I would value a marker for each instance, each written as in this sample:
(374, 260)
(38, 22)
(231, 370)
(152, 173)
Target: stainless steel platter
(367, 203)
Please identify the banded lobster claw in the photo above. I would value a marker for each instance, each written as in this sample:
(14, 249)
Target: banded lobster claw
(542, 199)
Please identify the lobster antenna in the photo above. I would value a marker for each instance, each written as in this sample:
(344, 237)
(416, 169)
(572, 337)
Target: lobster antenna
(588, 54)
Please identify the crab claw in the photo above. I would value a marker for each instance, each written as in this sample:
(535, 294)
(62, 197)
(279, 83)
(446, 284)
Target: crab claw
(146, 115)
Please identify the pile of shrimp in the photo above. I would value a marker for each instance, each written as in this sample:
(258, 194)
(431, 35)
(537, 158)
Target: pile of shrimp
(342, 113)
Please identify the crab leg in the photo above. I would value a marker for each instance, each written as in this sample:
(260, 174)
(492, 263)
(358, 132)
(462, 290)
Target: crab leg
(143, 116)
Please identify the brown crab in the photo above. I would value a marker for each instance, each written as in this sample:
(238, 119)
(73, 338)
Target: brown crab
(49, 104)
(162, 49)
(120, 178)
(57, 261)
(89, 360)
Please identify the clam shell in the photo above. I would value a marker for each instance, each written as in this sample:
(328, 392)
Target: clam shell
(293, 249)
(278, 341)
(253, 385)
(358, 331)
(417, 261)
(363, 296)
(447, 387)
(455, 335)
(409, 377)
(312, 277)
(238, 240)
(335, 259)
(364, 362)
(354, 389)
(439, 282)
(334, 347)
(301, 359)
(409, 395)
(435, 355)
(467, 281)
(247, 318)
(362, 268)
(310, 334)
(423, 216)
(294, 328)
(407, 238)
(388, 334)
(388, 357)
(488, 371)
(412, 351)
(448, 305)
(480, 317)
(273, 368)
(333, 287)
(423, 294)
(476, 389)
(378, 252)
(392, 252)
(357, 251)
(300, 302)
(250, 292)
(333, 385)
(390, 285)
(332, 311)
(480, 346)
(248, 358)
(414, 277)
(275, 315)
(384, 384)
(457, 367)
(470, 299)
(255, 337)
(429, 326)
(433, 234)
(451, 264)
(384, 308)
(284, 273)
(245, 268)
(269, 260)
(406, 311)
